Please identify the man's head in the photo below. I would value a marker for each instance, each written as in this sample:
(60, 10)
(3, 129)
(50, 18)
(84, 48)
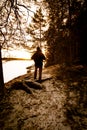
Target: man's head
(38, 48)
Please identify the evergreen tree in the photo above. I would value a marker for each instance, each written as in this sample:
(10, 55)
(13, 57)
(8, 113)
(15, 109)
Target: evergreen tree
(37, 28)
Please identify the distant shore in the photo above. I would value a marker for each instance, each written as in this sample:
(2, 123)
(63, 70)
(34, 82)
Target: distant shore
(8, 59)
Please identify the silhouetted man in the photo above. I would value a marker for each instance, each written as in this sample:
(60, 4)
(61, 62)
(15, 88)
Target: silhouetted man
(38, 58)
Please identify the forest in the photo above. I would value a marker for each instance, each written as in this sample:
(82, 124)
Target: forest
(60, 27)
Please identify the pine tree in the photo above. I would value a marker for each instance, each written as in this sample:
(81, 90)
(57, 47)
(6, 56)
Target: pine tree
(37, 28)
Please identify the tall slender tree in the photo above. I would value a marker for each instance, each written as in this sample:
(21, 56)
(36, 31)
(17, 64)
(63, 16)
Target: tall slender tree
(37, 27)
(1, 73)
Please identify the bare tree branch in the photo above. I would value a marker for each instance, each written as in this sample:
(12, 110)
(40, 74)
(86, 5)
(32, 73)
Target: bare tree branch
(11, 23)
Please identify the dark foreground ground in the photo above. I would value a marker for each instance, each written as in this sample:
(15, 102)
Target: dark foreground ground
(59, 102)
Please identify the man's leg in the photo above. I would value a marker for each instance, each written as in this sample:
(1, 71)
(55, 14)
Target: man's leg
(40, 73)
(35, 72)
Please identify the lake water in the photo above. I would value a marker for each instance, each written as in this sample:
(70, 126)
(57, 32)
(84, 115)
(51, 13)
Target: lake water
(15, 68)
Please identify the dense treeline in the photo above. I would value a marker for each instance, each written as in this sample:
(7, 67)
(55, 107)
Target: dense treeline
(66, 37)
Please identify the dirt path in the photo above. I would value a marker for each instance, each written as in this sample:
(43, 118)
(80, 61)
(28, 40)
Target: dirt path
(42, 110)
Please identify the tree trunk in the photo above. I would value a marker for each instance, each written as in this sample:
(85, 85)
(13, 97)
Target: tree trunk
(40, 34)
(1, 73)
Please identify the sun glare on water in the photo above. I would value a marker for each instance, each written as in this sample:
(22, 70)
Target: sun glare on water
(21, 54)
